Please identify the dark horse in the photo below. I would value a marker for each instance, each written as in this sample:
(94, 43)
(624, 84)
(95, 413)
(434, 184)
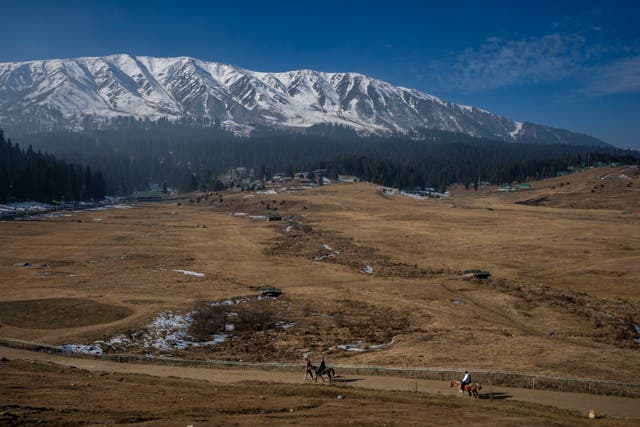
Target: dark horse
(320, 372)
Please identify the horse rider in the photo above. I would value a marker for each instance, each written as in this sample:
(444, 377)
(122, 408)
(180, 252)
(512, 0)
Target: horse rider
(322, 367)
(466, 380)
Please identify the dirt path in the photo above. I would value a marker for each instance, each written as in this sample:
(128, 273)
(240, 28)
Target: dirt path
(617, 172)
(612, 406)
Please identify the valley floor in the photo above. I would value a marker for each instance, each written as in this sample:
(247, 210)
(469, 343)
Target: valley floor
(367, 279)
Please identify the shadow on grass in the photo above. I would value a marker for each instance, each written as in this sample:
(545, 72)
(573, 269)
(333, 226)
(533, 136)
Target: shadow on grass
(494, 396)
(345, 380)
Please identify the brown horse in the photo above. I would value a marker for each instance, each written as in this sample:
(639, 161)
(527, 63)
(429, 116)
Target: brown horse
(472, 388)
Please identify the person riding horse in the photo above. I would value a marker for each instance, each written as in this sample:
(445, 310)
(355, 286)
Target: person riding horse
(466, 380)
(322, 367)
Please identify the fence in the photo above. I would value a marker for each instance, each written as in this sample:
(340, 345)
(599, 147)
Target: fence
(498, 378)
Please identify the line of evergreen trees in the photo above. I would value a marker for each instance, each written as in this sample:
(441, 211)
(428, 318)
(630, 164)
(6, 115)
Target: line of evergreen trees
(189, 157)
(30, 175)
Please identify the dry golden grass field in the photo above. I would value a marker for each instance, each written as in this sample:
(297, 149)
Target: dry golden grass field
(562, 300)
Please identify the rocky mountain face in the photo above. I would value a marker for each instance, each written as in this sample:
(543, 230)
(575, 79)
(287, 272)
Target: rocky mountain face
(75, 93)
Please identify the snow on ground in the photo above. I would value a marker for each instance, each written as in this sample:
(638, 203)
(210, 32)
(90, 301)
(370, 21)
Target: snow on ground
(360, 346)
(351, 347)
(51, 211)
(32, 206)
(94, 349)
(331, 253)
(327, 247)
(637, 328)
(387, 344)
(284, 325)
(367, 269)
(390, 191)
(517, 129)
(190, 273)
(169, 331)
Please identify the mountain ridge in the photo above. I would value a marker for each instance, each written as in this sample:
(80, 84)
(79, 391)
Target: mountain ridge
(42, 95)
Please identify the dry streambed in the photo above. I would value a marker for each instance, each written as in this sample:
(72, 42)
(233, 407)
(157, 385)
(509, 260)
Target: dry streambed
(302, 240)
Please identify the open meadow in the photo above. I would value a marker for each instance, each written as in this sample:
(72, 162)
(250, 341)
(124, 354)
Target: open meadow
(366, 279)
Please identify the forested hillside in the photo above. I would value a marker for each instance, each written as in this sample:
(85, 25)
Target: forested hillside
(189, 157)
(30, 175)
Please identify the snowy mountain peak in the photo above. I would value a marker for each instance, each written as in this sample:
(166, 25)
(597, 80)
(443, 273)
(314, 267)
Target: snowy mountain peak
(69, 93)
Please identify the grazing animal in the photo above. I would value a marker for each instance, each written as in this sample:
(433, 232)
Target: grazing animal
(472, 388)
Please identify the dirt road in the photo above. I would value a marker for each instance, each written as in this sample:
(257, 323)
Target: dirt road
(612, 406)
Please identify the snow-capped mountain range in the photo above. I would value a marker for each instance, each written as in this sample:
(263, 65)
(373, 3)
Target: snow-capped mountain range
(69, 93)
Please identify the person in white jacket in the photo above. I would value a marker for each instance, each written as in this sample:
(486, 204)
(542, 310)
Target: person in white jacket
(465, 380)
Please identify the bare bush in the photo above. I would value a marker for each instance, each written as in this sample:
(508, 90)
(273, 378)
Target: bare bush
(256, 316)
(306, 308)
(207, 321)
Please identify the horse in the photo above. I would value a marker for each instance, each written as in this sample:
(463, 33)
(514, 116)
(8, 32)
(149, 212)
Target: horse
(328, 371)
(472, 388)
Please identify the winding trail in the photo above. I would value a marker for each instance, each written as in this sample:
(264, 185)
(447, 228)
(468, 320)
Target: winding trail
(621, 407)
(618, 172)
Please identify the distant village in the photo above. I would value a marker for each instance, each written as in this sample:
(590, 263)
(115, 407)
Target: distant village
(242, 179)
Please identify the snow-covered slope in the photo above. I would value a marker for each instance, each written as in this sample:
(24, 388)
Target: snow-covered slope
(70, 93)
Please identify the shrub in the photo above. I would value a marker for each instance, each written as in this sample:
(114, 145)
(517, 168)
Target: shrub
(255, 316)
(207, 321)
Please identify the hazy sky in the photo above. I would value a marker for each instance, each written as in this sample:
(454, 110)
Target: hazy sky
(574, 65)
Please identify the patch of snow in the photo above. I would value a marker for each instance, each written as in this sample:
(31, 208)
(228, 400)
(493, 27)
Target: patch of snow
(23, 264)
(288, 228)
(94, 349)
(360, 346)
(426, 195)
(367, 269)
(257, 217)
(351, 347)
(267, 192)
(331, 253)
(32, 206)
(517, 130)
(374, 347)
(637, 328)
(167, 332)
(238, 214)
(190, 273)
(284, 325)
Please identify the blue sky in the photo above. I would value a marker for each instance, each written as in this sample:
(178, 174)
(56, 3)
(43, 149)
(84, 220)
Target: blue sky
(568, 64)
